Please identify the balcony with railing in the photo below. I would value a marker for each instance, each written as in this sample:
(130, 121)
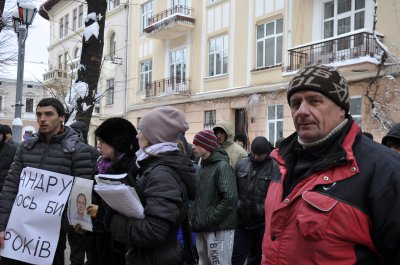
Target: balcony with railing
(356, 47)
(56, 77)
(170, 23)
(168, 87)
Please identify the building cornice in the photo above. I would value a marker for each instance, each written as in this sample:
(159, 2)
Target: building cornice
(46, 7)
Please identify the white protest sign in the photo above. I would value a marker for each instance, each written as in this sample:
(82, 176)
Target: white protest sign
(34, 226)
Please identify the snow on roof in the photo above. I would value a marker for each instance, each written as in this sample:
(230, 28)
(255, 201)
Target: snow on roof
(32, 72)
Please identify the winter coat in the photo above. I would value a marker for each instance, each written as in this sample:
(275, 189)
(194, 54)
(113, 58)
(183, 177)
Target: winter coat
(215, 205)
(346, 211)
(106, 250)
(165, 182)
(234, 151)
(65, 153)
(253, 179)
(7, 153)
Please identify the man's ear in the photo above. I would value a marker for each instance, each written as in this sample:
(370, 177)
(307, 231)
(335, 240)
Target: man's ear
(62, 119)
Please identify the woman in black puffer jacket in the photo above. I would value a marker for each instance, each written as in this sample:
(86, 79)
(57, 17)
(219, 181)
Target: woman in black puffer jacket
(117, 144)
(166, 181)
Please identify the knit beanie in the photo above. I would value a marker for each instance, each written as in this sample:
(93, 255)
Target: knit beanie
(393, 136)
(119, 134)
(206, 139)
(163, 124)
(323, 79)
(260, 146)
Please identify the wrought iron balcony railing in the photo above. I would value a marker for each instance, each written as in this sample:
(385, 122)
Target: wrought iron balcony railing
(54, 74)
(168, 86)
(177, 13)
(342, 48)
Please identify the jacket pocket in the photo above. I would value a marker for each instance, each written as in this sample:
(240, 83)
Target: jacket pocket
(314, 214)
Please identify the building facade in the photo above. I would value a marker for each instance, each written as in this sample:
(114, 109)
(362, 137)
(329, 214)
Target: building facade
(67, 24)
(33, 92)
(232, 60)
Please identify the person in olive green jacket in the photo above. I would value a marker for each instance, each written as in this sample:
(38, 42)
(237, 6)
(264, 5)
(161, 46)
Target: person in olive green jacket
(225, 136)
(213, 212)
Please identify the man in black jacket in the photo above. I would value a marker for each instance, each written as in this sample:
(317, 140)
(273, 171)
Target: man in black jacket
(253, 177)
(55, 148)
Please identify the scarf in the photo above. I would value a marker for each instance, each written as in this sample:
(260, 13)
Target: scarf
(155, 149)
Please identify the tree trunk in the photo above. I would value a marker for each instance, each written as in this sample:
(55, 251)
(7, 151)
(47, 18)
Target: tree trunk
(91, 59)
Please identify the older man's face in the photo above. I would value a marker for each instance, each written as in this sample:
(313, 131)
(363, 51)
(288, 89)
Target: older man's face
(314, 115)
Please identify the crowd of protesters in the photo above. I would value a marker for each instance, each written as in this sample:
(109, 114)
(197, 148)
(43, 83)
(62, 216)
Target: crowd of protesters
(326, 194)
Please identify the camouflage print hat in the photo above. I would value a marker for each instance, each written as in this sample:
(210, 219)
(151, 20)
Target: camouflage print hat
(323, 79)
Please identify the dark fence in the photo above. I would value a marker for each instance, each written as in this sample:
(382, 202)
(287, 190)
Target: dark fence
(335, 50)
(173, 85)
(182, 13)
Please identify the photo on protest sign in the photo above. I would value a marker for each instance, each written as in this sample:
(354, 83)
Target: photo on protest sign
(41, 200)
(79, 199)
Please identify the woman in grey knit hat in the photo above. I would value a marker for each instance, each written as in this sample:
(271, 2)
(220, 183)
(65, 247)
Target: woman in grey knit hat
(166, 182)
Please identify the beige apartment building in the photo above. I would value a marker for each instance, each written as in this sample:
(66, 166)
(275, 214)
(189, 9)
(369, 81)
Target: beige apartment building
(232, 60)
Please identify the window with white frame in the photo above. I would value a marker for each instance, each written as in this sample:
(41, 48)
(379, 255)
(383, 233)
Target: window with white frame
(177, 65)
(218, 50)
(209, 119)
(112, 45)
(110, 92)
(145, 74)
(61, 29)
(80, 16)
(355, 109)
(60, 62)
(274, 123)
(66, 61)
(66, 28)
(147, 12)
(29, 105)
(111, 4)
(181, 6)
(97, 106)
(269, 43)
(75, 19)
(77, 53)
(343, 16)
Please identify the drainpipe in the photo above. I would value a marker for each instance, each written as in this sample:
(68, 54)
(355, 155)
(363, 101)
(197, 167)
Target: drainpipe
(127, 5)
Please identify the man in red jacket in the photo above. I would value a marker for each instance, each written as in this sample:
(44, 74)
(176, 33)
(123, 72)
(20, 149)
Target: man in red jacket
(337, 197)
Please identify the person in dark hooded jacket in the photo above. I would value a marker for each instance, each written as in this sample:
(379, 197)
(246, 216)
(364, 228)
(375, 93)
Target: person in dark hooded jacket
(166, 182)
(7, 152)
(392, 138)
(117, 144)
(213, 212)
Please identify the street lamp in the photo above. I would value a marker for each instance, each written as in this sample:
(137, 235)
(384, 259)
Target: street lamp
(21, 21)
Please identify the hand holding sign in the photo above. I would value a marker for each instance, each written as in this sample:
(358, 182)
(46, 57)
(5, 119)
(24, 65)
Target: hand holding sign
(2, 239)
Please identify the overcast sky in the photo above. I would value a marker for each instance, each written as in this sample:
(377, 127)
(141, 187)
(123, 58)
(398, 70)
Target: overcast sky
(36, 54)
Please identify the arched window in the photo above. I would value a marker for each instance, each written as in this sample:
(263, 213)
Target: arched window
(77, 53)
(112, 45)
